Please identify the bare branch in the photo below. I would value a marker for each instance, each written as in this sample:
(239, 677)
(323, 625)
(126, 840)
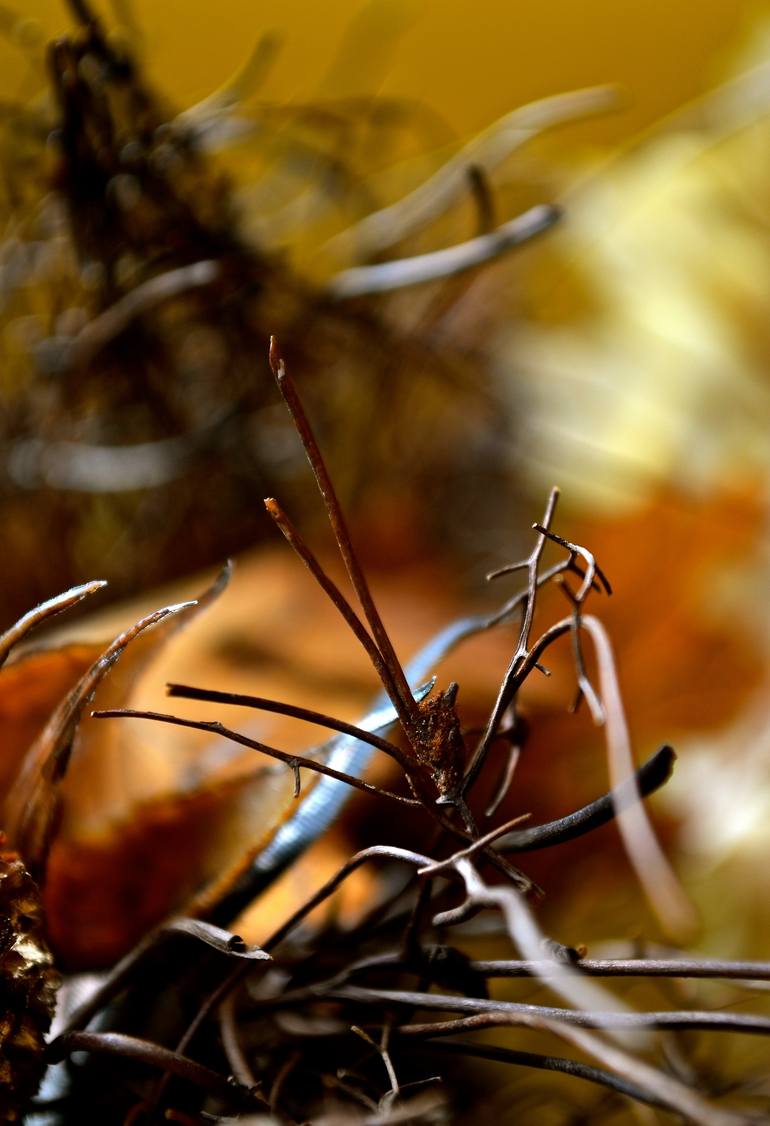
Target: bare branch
(142, 1051)
(239, 699)
(402, 700)
(651, 1079)
(684, 967)
(649, 778)
(294, 762)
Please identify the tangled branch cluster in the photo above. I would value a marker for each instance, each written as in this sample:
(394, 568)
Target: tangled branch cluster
(324, 1023)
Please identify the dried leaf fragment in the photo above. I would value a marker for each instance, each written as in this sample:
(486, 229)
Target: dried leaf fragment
(28, 984)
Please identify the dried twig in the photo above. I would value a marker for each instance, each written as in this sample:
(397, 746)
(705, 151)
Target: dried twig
(42, 613)
(294, 762)
(684, 967)
(133, 1048)
(654, 1081)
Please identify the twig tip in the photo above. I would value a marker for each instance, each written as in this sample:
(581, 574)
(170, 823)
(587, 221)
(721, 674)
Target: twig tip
(275, 358)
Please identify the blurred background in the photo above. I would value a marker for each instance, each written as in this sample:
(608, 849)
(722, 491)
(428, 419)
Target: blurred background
(625, 348)
(203, 176)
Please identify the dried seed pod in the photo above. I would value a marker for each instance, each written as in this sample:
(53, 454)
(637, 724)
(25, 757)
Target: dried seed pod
(28, 984)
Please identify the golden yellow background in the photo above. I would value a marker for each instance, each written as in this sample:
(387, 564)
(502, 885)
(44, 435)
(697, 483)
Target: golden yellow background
(471, 61)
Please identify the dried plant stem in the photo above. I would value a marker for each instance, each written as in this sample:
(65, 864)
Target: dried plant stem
(295, 762)
(383, 229)
(239, 699)
(753, 1024)
(649, 777)
(505, 782)
(522, 650)
(529, 939)
(549, 1063)
(173, 1063)
(336, 596)
(515, 675)
(231, 1044)
(653, 1081)
(342, 535)
(685, 967)
(653, 871)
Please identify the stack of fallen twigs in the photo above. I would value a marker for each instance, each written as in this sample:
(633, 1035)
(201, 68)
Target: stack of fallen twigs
(326, 1022)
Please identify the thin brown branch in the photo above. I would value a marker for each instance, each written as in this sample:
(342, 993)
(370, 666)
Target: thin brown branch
(475, 847)
(542, 1062)
(753, 1024)
(341, 533)
(651, 1079)
(376, 852)
(506, 780)
(294, 762)
(522, 650)
(533, 564)
(592, 567)
(515, 675)
(156, 1056)
(684, 967)
(330, 588)
(239, 699)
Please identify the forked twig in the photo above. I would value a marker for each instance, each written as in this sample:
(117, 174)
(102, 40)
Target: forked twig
(293, 761)
(522, 650)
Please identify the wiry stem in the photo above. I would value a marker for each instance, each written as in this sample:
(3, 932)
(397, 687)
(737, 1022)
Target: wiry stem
(294, 762)
(341, 533)
(142, 1051)
(239, 699)
(336, 596)
(521, 653)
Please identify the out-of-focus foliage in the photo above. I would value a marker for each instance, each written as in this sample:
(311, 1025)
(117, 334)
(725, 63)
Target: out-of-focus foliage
(646, 358)
(139, 292)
